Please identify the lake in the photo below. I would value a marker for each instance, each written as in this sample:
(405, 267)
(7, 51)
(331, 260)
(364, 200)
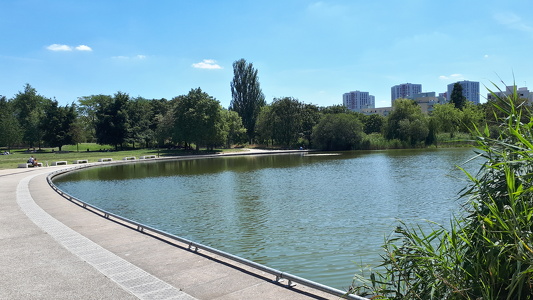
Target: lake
(316, 216)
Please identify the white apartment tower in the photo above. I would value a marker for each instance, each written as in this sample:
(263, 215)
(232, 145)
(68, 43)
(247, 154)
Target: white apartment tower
(357, 100)
(470, 90)
(404, 90)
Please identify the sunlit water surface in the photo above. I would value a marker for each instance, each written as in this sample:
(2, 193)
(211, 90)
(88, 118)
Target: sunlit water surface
(319, 216)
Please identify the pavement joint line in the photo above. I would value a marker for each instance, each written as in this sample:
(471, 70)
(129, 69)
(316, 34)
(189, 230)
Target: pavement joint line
(114, 267)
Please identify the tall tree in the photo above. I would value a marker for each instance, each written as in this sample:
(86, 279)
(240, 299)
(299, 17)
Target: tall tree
(457, 97)
(112, 121)
(247, 97)
(198, 119)
(87, 113)
(29, 110)
(10, 133)
(57, 125)
(287, 120)
(407, 123)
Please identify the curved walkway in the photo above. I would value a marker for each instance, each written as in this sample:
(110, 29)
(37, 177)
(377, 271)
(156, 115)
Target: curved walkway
(52, 248)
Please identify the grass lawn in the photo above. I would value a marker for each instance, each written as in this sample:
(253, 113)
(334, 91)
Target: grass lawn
(70, 153)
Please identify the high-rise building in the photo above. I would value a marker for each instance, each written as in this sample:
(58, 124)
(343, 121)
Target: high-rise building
(404, 90)
(358, 100)
(470, 90)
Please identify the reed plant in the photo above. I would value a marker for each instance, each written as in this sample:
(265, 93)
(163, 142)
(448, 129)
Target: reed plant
(487, 251)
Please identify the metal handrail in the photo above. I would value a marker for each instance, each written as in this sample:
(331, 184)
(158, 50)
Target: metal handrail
(193, 246)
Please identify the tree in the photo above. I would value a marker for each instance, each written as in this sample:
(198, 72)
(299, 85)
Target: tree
(447, 118)
(57, 125)
(247, 97)
(406, 122)
(236, 133)
(286, 120)
(10, 133)
(29, 111)
(338, 132)
(264, 126)
(310, 117)
(112, 121)
(198, 119)
(139, 119)
(457, 97)
(373, 123)
(87, 113)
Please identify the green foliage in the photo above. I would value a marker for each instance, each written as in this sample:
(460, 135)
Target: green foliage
(57, 125)
(10, 133)
(247, 97)
(487, 252)
(338, 132)
(29, 111)
(112, 121)
(373, 123)
(198, 119)
(407, 122)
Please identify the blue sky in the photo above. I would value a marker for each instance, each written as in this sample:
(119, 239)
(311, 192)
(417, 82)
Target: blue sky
(310, 50)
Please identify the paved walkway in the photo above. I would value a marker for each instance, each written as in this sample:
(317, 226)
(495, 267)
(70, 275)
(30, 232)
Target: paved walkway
(54, 249)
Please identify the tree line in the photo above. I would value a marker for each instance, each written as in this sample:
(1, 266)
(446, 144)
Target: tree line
(198, 120)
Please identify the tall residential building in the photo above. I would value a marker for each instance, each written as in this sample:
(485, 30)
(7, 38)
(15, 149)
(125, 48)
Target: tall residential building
(404, 90)
(358, 100)
(470, 90)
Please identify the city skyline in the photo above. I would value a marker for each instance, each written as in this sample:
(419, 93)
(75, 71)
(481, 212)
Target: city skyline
(314, 51)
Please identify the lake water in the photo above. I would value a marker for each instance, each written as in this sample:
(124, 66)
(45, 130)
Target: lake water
(316, 216)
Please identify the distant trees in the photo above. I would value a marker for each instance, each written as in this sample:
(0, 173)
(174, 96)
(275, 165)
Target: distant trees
(246, 94)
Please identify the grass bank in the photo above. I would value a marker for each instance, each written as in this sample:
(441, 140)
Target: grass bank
(91, 152)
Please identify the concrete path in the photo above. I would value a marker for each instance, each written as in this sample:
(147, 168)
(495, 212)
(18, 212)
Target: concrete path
(54, 249)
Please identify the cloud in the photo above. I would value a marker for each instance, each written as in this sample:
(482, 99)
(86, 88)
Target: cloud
(207, 64)
(452, 77)
(60, 47)
(123, 57)
(83, 48)
(513, 21)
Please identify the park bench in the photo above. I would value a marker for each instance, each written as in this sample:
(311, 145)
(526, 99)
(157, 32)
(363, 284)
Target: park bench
(29, 165)
(147, 157)
(59, 163)
(105, 159)
(129, 158)
(80, 161)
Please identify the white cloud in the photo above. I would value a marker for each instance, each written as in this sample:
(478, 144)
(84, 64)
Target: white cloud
(452, 77)
(207, 64)
(84, 48)
(123, 57)
(512, 21)
(58, 47)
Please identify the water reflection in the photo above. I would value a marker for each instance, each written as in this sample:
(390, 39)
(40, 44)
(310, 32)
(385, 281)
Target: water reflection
(312, 216)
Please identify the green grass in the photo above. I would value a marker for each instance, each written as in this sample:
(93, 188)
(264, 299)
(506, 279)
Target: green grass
(69, 153)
